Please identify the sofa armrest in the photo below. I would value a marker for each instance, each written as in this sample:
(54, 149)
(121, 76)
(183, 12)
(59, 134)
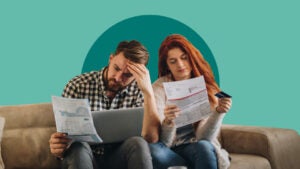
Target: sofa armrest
(280, 146)
(25, 136)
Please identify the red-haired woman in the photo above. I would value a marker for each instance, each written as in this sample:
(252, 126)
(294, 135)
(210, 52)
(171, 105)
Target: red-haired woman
(195, 145)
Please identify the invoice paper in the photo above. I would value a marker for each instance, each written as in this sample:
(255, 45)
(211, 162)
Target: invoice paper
(191, 97)
(73, 116)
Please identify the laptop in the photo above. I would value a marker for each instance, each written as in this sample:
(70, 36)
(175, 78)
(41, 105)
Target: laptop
(117, 125)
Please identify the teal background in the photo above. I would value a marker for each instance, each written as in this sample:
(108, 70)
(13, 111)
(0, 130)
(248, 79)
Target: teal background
(142, 29)
(255, 45)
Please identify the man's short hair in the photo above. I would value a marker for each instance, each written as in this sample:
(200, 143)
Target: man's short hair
(133, 51)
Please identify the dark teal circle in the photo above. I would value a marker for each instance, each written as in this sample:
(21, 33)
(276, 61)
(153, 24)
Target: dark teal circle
(150, 30)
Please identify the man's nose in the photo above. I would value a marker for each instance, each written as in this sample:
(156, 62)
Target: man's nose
(118, 76)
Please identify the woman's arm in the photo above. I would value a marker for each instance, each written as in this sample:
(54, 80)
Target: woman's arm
(168, 129)
(208, 129)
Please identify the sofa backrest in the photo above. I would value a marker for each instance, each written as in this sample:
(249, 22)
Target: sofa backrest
(25, 141)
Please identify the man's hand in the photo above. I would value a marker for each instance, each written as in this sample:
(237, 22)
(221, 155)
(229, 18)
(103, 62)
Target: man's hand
(58, 144)
(141, 75)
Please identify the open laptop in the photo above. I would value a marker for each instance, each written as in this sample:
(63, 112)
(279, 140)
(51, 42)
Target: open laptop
(117, 125)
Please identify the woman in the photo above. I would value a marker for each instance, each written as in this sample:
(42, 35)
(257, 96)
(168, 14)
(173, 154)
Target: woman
(195, 145)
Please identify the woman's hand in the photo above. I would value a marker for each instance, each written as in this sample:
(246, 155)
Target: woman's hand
(224, 105)
(171, 112)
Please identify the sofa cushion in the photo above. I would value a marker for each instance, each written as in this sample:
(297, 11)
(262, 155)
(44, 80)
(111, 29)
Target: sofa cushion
(246, 161)
(270, 143)
(26, 134)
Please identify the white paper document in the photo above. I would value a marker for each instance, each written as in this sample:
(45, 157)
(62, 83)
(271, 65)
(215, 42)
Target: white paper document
(73, 116)
(191, 97)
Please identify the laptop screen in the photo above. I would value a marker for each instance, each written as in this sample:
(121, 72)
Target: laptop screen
(117, 125)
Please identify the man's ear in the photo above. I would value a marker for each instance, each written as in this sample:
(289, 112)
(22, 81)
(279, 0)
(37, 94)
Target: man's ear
(111, 57)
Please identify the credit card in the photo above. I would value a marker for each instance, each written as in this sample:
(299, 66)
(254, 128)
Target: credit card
(222, 94)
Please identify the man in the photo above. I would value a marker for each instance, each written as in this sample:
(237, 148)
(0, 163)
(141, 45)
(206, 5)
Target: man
(124, 83)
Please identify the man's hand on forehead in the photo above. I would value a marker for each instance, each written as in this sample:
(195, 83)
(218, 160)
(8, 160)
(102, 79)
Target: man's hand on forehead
(141, 75)
(136, 68)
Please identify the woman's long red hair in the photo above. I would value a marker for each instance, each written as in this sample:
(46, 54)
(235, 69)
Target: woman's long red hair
(199, 65)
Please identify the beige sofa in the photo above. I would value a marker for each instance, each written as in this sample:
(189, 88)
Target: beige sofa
(28, 127)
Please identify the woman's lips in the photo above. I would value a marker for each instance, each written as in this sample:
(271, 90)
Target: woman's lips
(181, 70)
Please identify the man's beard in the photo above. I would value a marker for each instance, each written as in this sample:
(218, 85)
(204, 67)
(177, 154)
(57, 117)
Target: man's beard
(114, 86)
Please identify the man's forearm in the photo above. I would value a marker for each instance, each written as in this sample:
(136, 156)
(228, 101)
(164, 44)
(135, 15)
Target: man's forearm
(151, 121)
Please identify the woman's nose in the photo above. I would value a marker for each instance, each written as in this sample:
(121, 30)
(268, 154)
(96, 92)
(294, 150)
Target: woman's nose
(180, 63)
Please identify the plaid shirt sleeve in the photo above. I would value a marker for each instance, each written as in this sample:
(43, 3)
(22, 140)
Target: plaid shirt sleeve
(136, 96)
(140, 100)
(70, 90)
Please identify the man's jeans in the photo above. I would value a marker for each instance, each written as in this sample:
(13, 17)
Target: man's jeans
(133, 153)
(198, 155)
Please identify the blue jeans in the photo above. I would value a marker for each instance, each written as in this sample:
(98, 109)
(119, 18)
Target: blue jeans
(198, 155)
(133, 153)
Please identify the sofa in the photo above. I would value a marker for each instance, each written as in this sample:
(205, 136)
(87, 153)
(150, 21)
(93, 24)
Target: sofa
(27, 129)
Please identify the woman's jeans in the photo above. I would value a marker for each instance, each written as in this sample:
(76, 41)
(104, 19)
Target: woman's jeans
(198, 155)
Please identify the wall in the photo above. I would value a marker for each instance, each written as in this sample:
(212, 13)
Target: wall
(255, 45)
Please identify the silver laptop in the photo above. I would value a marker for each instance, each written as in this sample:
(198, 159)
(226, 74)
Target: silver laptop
(117, 125)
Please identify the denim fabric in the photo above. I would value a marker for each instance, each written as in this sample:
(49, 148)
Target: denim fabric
(133, 153)
(198, 155)
(78, 156)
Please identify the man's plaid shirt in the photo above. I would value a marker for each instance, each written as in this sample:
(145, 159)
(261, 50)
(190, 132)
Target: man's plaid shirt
(91, 86)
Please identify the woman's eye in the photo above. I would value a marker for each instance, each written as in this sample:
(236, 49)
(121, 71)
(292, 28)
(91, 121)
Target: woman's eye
(172, 61)
(184, 57)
